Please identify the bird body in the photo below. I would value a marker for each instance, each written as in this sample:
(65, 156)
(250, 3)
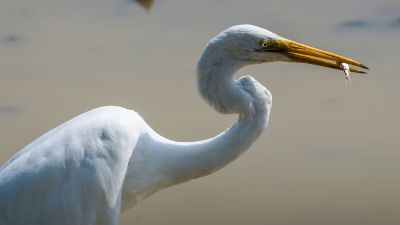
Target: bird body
(71, 174)
(105, 160)
(89, 169)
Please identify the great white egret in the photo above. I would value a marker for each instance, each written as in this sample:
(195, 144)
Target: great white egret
(89, 169)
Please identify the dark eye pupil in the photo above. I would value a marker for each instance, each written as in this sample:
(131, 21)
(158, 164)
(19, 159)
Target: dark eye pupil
(264, 43)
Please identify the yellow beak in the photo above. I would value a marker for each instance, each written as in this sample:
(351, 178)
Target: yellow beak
(305, 54)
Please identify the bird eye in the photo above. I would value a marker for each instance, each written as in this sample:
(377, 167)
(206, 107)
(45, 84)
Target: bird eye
(265, 43)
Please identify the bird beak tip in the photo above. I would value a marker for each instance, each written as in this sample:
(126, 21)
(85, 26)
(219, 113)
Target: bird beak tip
(364, 66)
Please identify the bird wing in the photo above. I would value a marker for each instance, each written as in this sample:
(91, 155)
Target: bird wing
(71, 175)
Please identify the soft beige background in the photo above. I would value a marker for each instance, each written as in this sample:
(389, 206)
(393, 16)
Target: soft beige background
(330, 155)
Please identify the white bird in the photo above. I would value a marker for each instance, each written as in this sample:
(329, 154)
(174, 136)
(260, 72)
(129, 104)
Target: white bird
(102, 162)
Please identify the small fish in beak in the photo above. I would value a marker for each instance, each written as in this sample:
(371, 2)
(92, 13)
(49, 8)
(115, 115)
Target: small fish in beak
(346, 69)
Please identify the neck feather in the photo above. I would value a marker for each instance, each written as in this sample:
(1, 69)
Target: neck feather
(158, 162)
(245, 97)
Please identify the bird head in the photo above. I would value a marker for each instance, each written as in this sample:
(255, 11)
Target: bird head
(251, 44)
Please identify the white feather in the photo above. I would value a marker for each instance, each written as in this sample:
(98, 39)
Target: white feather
(90, 168)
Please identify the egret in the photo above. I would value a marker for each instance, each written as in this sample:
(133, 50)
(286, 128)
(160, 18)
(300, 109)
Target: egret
(102, 162)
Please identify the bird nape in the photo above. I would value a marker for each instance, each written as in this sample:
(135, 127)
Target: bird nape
(104, 161)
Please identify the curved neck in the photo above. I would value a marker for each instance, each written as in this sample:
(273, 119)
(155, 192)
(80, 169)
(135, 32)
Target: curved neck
(246, 97)
(158, 162)
(190, 160)
(216, 85)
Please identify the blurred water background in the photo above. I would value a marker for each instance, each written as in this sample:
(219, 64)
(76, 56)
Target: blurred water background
(330, 155)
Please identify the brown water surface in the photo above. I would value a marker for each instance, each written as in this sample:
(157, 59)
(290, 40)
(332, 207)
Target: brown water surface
(330, 155)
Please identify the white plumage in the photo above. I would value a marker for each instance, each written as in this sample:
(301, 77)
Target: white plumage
(89, 169)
